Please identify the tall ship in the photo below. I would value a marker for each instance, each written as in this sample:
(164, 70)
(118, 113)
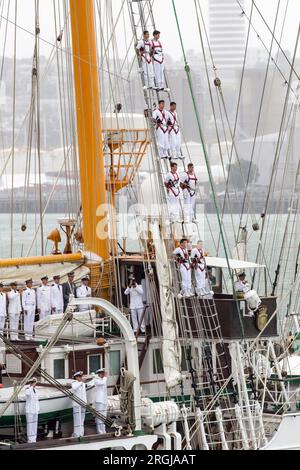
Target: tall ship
(187, 318)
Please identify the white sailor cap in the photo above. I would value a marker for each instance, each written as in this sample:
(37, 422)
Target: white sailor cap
(78, 374)
(100, 370)
(85, 278)
(33, 379)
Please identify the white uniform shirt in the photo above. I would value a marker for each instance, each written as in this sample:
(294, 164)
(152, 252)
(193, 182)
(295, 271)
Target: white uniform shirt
(174, 128)
(158, 54)
(28, 299)
(190, 180)
(101, 390)
(164, 117)
(2, 304)
(14, 302)
(57, 299)
(44, 298)
(199, 255)
(136, 296)
(82, 292)
(32, 401)
(174, 179)
(183, 255)
(79, 390)
(240, 286)
(146, 49)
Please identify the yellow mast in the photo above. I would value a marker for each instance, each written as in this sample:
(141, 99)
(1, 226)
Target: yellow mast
(88, 113)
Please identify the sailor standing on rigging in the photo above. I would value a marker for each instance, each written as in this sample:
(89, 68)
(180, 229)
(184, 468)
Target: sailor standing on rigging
(2, 308)
(188, 183)
(29, 306)
(172, 181)
(181, 255)
(14, 310)
(101, 398)
(158, 61)
(79, 390)
(32, 409)
(43, 296)
(136, 305)
(57, 299)
(174, 132)
(144, 47)
(84, 291)
(161, 119)
(69, 288)
(199, 266)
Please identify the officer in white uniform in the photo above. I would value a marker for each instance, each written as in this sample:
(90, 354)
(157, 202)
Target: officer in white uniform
(56, 295)
(174, 132)
(2, 308)
(32, 409)
(136, 304)
(14, 310)
(172, 183)
(84, 291)
(29, 306)
(144, 47)
(79, 390)
(181, 255)
(161, 120)
(44, 298)
(199, 266)
(188, 183)
(242, 284)
(101, 398)
(158, 61)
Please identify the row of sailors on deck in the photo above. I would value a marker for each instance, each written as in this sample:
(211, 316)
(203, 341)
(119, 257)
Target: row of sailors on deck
(32, 406)
(45, 300)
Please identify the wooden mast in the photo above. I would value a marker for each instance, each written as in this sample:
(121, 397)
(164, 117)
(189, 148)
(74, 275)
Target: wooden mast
(88, 114)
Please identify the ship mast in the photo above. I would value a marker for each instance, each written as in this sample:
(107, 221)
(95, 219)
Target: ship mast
(89, 132)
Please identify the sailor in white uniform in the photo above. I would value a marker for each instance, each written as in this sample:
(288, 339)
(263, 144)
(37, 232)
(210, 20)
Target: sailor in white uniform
(2, 308)
(44, 298)
(242, 284)
(161, 120)
(14, 310)
(56, 295)
(29, 306)
(172, 183)
(136, 304)
(199, 266)
(158, 61)
(181, 255)
(144, 47)
(188, 183)
(32, 409)
(174, 132)
(79, 390)
(84, 291)
(101, 398)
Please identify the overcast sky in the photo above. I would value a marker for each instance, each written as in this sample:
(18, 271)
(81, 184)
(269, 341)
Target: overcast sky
(164, 18)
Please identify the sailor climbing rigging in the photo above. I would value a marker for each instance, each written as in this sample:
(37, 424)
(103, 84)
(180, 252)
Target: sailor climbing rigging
(188, 183)
(2, 308)
(158, 61)
(161, 120)
(144, 48)
(174, 132)
(199, 267)
(172, 182)
(182, 258)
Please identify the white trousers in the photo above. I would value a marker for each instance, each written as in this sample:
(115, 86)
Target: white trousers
(189, 206)
(159, 74)
(2, 323)
(44, 313)
(200, 277)
(186, 279)
(162, 139)
(174, 206)
(78, 421)
(102, 408)
(31, 426)
(14, 325)
(175, 144)
(28, 322)
(148, 74)
(136, 315)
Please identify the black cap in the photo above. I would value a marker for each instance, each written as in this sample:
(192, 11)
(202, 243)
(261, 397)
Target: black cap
(156, 32)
